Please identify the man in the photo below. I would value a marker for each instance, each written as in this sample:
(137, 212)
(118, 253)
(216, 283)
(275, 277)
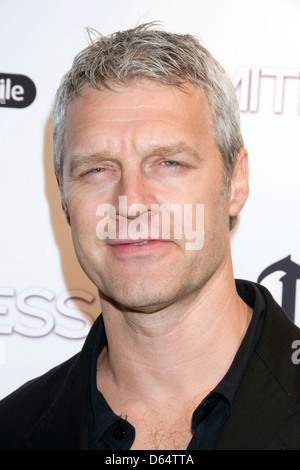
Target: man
(182, 357)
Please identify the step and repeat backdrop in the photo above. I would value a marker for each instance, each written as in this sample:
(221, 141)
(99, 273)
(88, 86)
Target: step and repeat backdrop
(47, 304)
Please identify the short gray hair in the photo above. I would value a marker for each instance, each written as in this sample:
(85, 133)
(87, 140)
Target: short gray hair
(169, 58)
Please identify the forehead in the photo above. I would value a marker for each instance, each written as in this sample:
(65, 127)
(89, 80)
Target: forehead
(140, 108)
(142, 93)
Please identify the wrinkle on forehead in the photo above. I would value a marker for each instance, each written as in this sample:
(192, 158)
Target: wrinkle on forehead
(136, 97)
(126, 112)
(78, 116)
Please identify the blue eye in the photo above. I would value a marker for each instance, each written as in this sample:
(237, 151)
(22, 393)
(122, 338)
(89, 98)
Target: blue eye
(170, 163)
(97, 170)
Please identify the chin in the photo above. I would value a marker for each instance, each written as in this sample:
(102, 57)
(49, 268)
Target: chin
(147, 295)
(137, 300)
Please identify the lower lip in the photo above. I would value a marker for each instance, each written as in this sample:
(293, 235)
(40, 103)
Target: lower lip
(143, 249)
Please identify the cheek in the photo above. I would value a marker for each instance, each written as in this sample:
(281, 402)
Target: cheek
(216, 209)
(82, 214)
(216, 216)
(83, 201)
(79, 194)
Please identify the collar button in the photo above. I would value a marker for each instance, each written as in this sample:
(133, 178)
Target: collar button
(119, 433)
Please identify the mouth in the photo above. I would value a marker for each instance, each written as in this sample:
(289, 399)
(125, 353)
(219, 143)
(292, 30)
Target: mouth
(138, 247)
(140, 243)
(130, 241)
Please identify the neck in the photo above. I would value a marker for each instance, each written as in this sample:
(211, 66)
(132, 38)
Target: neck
(180, 348)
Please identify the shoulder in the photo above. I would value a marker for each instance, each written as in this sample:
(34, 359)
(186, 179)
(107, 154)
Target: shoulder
(276, 345)
(266, 408)
(23, 408)
(275, 348)
(49, 411)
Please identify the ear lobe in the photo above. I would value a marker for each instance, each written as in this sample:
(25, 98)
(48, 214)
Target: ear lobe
(239, 188)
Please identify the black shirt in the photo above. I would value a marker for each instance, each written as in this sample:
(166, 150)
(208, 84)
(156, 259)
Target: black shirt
(108, 431)
(256, 406)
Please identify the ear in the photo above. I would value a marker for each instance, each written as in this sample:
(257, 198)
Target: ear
(239, 188)
(63, 205)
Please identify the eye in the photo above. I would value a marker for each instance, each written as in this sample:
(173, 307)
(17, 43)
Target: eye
(170, 163)
(97, 170)
(92, 172)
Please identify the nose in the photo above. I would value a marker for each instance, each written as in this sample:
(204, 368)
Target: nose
(135, 195)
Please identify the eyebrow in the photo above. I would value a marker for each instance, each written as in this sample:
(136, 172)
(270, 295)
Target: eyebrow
(174, 149)
(80, 162)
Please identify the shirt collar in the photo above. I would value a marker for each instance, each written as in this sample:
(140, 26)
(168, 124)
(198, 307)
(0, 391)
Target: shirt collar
(106, 429)
(213, 411)
(252, 296)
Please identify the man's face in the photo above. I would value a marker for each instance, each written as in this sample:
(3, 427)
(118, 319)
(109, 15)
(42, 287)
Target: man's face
(152, 145)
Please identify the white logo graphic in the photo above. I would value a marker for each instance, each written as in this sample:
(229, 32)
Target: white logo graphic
(163, 221)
